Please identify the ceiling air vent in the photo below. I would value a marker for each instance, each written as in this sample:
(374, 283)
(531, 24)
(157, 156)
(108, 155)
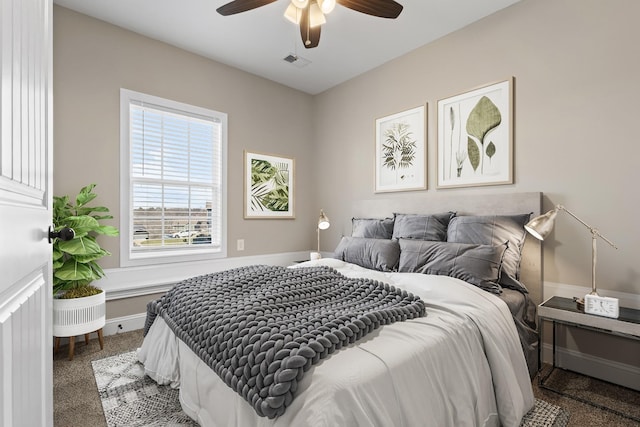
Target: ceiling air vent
(296, 60)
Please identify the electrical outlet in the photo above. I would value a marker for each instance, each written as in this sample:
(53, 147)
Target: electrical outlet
(240, 244)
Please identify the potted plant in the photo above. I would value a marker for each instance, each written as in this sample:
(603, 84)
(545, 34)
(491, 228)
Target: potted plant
(78, 307)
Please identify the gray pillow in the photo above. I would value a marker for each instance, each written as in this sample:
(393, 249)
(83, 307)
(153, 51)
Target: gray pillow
(374, 254)
(475, 264)
(372, 228)
(421, 227)
(494, 230)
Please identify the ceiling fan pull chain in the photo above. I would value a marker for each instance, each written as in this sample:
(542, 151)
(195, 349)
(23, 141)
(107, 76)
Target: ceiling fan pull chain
(308, 41)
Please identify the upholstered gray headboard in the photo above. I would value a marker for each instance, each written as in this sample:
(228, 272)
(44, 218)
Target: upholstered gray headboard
(468, 204)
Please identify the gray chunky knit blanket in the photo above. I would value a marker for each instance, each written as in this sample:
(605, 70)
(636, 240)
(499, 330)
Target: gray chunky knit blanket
(260, 328)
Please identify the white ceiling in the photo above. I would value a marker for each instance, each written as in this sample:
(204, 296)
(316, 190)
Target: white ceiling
(256, 41)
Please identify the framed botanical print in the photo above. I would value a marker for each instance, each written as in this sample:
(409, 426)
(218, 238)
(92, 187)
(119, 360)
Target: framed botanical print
(268, 186)
(475, 137)
(401, 151)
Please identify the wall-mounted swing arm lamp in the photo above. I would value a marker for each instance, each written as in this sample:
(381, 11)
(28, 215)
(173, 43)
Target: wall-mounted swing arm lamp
(323, 224)
(541, 226)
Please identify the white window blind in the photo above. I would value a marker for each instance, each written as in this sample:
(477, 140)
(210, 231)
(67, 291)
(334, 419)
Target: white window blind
(175, 180)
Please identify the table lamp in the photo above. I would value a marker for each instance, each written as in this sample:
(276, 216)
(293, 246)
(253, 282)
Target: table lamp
(540, 227)
(323, 224)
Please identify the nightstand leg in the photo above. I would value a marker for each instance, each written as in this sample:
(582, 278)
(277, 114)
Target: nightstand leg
(542, 377)
(553, 366)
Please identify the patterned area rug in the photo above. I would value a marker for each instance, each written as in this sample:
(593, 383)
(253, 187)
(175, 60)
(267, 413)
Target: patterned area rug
(544, 414)
(131, 399)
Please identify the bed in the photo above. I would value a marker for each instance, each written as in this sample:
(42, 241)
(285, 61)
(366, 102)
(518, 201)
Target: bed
(466, 360)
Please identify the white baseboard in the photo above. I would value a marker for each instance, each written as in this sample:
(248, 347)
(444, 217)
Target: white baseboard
(118, 325)
(593, 366)
(114, 326)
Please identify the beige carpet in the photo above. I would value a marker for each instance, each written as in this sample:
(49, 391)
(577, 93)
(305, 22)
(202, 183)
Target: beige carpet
(618, 398)
(77, 403)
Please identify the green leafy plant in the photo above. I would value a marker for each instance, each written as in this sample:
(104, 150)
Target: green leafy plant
(74, 261)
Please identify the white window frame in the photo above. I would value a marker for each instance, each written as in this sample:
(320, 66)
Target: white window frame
(128, 257)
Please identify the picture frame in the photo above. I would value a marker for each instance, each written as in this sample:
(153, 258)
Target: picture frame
(268, 186)
(475, 137)
(401, 151)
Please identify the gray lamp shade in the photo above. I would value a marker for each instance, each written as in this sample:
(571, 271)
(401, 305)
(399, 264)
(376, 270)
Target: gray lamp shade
(540, 227)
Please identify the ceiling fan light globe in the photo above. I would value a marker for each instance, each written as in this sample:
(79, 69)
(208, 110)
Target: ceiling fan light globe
(300, 4)
(326, 6)
(316, 17)
(293, 14)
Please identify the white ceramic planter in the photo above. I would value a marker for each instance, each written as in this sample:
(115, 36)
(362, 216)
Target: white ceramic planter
(78, 316)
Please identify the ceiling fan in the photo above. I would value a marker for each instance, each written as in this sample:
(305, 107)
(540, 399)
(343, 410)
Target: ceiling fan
(309, 14)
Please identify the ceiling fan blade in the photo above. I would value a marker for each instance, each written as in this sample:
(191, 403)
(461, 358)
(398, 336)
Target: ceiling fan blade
(238, 6)
(381, 8)
(310, 35)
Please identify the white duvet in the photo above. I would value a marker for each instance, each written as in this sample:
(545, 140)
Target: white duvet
(461, 365)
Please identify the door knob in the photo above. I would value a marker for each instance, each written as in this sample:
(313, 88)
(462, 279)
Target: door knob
(65, 234)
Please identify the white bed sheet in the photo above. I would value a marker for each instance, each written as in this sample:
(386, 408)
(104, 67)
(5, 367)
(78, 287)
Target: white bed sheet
(461, 365)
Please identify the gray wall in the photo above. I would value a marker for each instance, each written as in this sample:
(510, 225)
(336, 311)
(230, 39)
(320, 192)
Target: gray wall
(93, 60)
(576, 69)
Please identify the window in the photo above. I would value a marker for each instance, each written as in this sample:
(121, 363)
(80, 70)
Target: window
(173, 186)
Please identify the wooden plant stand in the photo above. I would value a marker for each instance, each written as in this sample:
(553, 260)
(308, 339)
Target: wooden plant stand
(72, 341)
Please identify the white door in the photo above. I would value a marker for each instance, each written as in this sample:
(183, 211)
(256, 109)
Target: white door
(26, 391)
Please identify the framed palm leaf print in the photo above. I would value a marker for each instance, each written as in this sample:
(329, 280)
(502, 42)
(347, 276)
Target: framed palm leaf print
(401, 151)
(268, 186)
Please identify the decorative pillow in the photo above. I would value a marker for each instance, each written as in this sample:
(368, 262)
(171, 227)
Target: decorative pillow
(422, 227)
(372, 228)
(475, 264)
(494, 230)
(374, 254)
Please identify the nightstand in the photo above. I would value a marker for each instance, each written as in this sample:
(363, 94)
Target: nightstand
(564, 311)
